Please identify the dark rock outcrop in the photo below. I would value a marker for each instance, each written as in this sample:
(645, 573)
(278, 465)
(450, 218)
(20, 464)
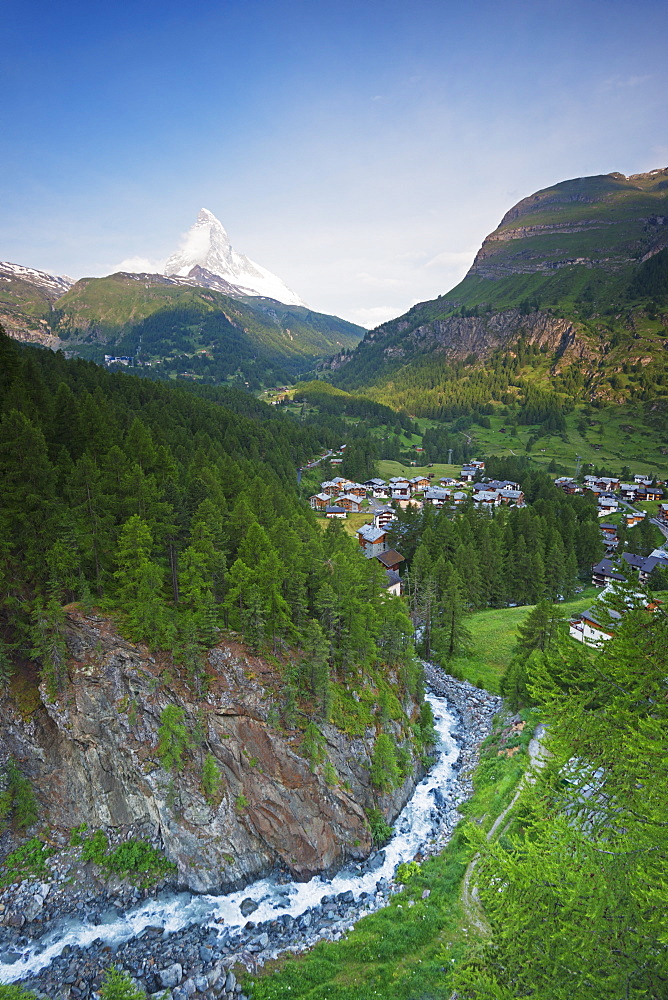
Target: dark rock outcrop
(92, 755)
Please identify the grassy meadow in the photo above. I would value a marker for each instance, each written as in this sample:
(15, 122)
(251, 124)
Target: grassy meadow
(494, 634)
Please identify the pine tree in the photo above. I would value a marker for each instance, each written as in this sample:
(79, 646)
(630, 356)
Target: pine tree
(47, 632)
(540, 628)
(211, 779)
(313, 745)
(384, 773)
(582, 908)
(173, 738)
(453, 635)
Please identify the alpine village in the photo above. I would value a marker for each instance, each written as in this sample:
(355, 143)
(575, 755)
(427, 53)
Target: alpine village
(334, 662)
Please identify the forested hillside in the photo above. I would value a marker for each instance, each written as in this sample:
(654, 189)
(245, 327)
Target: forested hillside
(178, 515)
(172, 325)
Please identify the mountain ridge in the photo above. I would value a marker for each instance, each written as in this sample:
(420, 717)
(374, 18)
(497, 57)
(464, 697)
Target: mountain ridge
(580, 260)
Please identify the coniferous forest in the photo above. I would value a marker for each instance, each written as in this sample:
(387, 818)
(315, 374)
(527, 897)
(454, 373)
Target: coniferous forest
(178, 514)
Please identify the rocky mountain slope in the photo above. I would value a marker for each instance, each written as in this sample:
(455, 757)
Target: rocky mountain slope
(92, 756)
(566, 268)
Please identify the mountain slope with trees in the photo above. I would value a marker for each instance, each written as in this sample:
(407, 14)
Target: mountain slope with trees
(569, 293)
(175, 325)
(173, 517)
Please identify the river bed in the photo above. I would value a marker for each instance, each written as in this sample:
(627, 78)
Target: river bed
(190, 942)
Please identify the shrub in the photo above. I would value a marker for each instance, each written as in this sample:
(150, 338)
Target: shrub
(18, 799)
(211, 779)
(118, 985)
(16, 992)
(381, 831)
(406, 871)
(134, 859)
(27, 861)
(385, 773)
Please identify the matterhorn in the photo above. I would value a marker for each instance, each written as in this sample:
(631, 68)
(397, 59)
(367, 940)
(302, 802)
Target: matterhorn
(207, 257)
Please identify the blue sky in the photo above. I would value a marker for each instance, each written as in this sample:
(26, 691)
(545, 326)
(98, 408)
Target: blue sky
(360, 150)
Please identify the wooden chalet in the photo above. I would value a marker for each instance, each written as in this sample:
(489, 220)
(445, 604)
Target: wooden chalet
(320, 501)
(349, 502)
(372, 540)
(383, 517)
(391, 559)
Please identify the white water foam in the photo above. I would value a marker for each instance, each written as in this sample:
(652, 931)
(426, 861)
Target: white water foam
(412, 829)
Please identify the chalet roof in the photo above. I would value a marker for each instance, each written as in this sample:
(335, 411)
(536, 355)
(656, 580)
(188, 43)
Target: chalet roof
(390, 558)
(335, 510)
(604, 568)
(320, 496)
(511, 494)
(436, 493)
(601, 619)
(374, 482)
(608, 527)
(371, 534)
(349, 496)
(391, 577)
(644, 564)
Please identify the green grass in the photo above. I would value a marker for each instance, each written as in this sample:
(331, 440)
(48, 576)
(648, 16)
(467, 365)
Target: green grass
(388, 469)
(494, 635)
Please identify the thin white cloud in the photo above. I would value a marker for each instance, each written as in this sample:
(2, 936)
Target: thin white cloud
(373, 316)
(140, 265)
(623, 83)
(380, 281)
(452, 258)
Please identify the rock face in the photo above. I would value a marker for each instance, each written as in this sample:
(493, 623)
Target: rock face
(92, 755)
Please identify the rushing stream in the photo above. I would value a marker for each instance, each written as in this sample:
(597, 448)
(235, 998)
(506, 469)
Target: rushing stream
(413, 828)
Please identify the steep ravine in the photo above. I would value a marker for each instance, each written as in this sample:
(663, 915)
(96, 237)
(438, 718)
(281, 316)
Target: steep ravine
(92, 756)
(191, 943)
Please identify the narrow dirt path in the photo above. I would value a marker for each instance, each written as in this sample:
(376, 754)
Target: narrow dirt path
(470, 898)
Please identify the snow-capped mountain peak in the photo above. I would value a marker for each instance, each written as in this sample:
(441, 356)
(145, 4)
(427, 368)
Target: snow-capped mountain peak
(54, 285)
(206, 246)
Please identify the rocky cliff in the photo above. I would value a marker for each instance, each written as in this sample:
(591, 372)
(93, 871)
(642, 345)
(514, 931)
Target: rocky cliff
(558, 271)
(92, 755)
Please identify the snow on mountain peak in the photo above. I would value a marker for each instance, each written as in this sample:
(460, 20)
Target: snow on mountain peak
(206, 245)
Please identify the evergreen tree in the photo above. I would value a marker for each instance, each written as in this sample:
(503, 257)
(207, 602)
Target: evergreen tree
(47, 632)
(384, 773)
(211, 779)
(540, 628)
(453, 636)
(582, 907)
(173, 738)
